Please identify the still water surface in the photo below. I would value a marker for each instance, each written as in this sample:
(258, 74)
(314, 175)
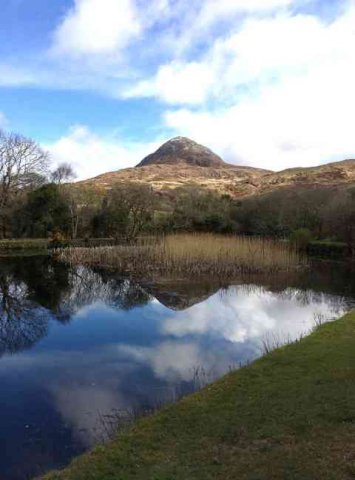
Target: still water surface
(80, 348)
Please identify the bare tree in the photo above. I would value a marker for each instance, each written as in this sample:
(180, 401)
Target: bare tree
(63, 173)
(132, 206)
(75, 197)
(81, 202)
(23, 165)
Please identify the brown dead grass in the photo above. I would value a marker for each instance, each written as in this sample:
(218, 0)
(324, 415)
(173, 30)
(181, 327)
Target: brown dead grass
(192, 254)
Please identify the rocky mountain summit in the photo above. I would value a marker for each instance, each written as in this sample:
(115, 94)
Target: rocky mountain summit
(182, 150)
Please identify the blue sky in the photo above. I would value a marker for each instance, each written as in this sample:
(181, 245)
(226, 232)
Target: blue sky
(101, 83)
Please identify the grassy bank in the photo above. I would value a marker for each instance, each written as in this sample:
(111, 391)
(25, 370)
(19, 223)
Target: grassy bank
(31, 244)
(192, 254)
(24, 244)
(289, 415)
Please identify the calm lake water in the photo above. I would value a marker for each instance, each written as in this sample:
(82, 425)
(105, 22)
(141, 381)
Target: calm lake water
(81, 349)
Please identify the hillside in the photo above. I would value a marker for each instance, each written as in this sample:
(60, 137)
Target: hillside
(330, 174)
(182, 163)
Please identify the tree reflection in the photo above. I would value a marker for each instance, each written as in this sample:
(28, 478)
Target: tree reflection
(89, 286)
(22, 322)
(34, 290)
(46, 281)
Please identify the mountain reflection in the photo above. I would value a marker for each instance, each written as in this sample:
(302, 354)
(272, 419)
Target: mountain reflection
(34, 290)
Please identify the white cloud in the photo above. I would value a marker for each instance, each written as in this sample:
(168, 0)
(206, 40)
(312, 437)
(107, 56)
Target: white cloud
(228, 6)
(262, 52)
(189, 23)
(258, 48)
(97, 27)
(214, 10)
(177, 83)
(91, 154)
(15, 77)
(106, 27)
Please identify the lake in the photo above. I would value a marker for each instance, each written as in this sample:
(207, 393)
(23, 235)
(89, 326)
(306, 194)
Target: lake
(83, 351)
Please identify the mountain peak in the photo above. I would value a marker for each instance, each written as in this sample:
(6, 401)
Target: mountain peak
(183, 150)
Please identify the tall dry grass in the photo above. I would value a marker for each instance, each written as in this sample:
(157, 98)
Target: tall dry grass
(192, 254)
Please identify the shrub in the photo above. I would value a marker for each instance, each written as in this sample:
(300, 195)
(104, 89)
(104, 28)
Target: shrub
(301, 238)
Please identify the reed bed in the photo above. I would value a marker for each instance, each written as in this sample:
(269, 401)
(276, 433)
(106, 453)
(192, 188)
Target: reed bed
(192, 255)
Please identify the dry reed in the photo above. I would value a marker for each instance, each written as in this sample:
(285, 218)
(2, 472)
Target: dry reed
(192, 255)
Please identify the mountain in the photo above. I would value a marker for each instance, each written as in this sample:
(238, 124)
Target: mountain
(182, 164)
(182, 150)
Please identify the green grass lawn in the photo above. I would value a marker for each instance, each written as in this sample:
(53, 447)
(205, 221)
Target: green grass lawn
(289, 415)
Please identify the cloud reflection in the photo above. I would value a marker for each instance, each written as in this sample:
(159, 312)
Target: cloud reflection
(245, 313)
(170, 361)
(85, 408)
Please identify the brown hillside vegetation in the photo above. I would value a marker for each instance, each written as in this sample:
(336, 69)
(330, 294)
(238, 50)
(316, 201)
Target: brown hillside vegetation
(235, 181)
(182, 163)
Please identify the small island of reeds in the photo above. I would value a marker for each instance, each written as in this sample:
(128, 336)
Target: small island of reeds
(192, 255)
